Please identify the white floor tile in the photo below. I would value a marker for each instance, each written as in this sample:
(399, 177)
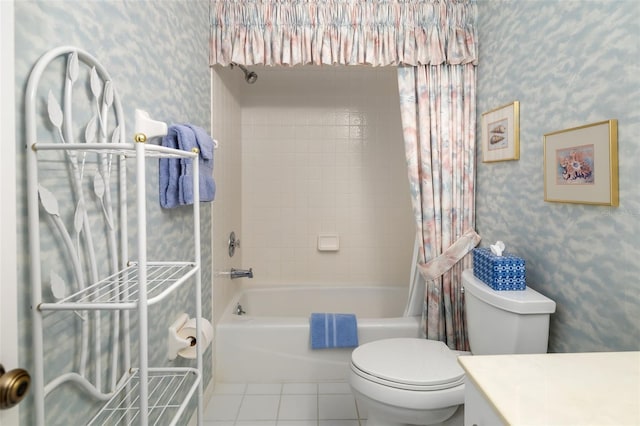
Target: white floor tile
(297, 423)
(334, 388)
(264, 389)
(300, 389)
(222, 407)
(362, 410)
(259, 407)
(288, 404)
(229, 388)
(298, 407)
(337, 407)
(456, 419)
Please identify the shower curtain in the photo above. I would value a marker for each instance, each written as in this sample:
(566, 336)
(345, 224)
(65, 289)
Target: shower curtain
(434, 45)
(438, 111)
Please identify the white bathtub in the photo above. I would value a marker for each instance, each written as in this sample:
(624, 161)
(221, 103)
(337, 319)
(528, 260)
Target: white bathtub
(270, 343)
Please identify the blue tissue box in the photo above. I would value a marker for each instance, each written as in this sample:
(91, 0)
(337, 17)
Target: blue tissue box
(506, 272)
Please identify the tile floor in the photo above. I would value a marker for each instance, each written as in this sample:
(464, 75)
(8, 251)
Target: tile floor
(283, 404)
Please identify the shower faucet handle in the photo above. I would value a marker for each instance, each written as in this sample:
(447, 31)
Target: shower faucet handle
(233, 243)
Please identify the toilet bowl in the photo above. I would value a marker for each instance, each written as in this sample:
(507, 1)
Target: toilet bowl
(407, 381)
(410, 381)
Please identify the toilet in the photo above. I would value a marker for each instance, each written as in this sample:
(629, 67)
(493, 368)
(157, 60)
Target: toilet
(412, 381)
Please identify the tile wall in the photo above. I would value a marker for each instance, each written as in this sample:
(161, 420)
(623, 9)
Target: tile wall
(322, 152)
(225, 84)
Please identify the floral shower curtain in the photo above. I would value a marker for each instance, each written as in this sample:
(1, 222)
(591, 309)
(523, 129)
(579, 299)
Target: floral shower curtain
(438, 108)
(344, 32)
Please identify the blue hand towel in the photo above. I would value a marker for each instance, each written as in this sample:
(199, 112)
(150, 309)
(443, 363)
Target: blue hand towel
(205, 161)
(170, 168)
(333, 331)
(175, 180)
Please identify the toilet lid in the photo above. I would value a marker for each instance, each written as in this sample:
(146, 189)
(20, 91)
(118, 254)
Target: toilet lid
(409, 363)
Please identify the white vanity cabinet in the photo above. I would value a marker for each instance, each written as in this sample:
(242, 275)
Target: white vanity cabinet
(477, 409)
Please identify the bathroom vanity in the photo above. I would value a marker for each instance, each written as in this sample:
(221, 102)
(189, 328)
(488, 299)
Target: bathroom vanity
(598, 388)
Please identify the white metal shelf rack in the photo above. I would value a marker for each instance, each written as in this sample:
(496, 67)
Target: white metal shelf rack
(106, 288)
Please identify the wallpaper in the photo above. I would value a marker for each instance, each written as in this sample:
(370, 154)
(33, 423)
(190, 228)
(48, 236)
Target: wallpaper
(569, 63)
(156, 53)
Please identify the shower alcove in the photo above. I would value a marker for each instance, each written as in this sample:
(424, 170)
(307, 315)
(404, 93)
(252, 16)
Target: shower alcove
(307, 150)
(310, 150)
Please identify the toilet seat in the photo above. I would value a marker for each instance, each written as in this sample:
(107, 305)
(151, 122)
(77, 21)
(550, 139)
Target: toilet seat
(409, 364)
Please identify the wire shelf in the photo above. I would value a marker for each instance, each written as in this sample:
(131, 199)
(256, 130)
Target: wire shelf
(125, 149)
(121, 290)
(77, 173)
(170, 391)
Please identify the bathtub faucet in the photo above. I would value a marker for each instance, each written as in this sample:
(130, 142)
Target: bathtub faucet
(239, 310)
(241, 273)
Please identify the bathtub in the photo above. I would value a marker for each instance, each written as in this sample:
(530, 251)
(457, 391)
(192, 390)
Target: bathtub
(270, 342)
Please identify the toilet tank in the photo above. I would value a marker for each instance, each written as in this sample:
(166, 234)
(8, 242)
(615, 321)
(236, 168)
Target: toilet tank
(505, 322)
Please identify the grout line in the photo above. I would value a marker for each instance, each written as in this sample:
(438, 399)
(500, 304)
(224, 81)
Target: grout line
(317, 404)
(244, 392)
(280, 403)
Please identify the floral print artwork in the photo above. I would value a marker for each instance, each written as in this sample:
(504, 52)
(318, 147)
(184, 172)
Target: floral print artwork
(575, 165)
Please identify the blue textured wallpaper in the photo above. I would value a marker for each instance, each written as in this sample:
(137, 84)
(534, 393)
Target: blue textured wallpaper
(157, 55)
(569, 63)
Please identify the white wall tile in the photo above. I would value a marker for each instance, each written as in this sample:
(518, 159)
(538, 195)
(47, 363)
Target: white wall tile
(226, 127)
(322, 151)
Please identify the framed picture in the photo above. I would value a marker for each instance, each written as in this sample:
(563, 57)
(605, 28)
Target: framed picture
(501, 133)
(581, 164)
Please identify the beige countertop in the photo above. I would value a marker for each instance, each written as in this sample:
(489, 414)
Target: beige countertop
(596, 388)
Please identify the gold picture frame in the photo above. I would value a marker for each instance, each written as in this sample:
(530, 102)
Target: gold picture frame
(501, 133)
(581, 164)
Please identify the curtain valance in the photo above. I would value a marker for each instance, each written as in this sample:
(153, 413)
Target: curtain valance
(345, 32)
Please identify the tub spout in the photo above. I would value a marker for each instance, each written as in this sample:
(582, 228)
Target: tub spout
(241, 273)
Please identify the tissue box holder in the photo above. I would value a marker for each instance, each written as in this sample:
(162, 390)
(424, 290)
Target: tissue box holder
(506, 272)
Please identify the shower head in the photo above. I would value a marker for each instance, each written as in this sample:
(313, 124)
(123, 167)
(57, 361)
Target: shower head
(249, 76)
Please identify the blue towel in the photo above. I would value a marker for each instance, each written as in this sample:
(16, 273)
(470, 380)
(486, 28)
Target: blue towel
(333, 331)
(176, 181)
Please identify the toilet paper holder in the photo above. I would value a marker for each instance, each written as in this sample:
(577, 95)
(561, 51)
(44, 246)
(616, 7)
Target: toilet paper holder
(181, 339)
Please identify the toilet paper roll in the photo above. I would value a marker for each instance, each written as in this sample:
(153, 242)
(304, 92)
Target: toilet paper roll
(188, 331)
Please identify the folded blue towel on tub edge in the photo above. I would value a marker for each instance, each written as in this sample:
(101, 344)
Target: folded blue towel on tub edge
(333, 330)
